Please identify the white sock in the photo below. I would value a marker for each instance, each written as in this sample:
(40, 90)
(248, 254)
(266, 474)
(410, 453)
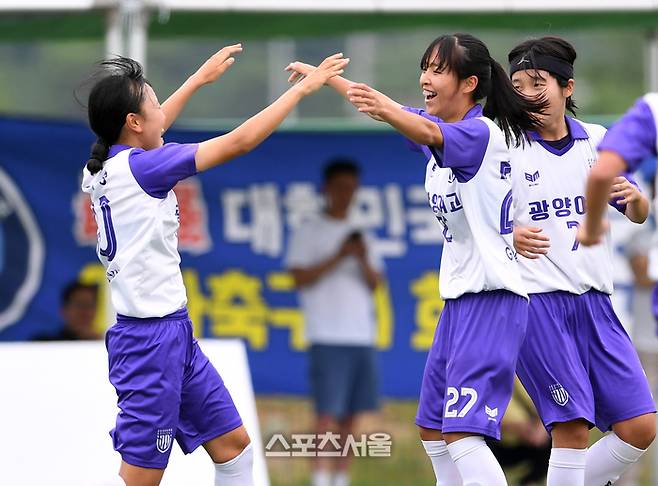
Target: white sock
(321, 477)
(476, 463)
(608, 459)
(566, 466)
(445, 470)
(341, 478)
(237, 471)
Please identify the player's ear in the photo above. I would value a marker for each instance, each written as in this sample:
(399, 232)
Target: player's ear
(568, 89)
(469, 84)
(134, 122)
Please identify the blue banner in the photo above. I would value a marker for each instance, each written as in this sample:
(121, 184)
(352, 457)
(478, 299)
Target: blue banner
(235, 224)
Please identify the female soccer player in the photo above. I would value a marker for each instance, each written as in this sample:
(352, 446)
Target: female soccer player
(469, 374)
(166, 386)
(577, 362)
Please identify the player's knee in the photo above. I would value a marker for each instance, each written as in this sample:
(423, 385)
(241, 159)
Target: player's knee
(429, 434)
(232, 451)
(570, 435)
(238, 443)
(639, 431)
(228, 446)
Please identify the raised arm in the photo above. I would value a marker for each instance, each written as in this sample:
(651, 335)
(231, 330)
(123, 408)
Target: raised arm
(597, 193)
(624, 146)
(209, 72)
(252, 132)
(377, 105)
(300, 69)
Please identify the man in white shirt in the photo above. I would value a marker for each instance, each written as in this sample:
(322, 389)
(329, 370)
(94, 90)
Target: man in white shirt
(336, 270)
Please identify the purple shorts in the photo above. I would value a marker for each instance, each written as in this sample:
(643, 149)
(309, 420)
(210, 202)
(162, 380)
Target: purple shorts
(578, 362)
(469, 374)
(167, 389)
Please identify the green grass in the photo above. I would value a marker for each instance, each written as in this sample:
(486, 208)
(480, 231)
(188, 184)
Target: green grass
(407, 465)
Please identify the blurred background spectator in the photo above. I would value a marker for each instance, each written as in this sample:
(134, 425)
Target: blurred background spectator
(336, 269)
(77, 310)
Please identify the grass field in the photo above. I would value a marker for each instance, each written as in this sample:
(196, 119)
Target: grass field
(407, 465)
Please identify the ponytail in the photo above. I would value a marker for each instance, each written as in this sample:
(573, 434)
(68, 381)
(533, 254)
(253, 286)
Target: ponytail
(514, 112)
(99, 152)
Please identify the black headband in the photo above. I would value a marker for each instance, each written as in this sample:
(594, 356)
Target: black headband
(553, 65)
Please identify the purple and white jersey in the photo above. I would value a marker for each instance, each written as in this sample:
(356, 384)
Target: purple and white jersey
(634, 139)
(549, 193)
(137, 216)
(469, 190)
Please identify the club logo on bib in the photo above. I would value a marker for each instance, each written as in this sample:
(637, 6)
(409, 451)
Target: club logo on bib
(532, 178)
(559, 394)
(492, 413)
(164, 439)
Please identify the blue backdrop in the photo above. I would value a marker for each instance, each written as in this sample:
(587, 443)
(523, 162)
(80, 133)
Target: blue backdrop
(236, 221)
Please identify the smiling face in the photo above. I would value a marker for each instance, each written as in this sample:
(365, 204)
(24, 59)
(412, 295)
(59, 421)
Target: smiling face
(446, 96)
(537, 83)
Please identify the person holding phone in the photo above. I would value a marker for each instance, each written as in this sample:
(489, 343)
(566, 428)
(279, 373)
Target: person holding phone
(336, 270)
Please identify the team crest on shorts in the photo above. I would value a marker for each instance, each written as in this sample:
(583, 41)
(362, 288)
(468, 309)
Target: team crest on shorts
(559, 394)
(164, 439)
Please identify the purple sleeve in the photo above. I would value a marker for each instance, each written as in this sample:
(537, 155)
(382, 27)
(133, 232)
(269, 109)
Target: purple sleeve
(416, 147)
(615, 202)
(421, 112)
(157, 171)
(464, 145)
(633, 137)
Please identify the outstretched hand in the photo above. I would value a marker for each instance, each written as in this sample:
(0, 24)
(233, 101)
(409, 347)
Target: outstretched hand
(298, 70)
(217, 64)
(315, 78)
(370, 101)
